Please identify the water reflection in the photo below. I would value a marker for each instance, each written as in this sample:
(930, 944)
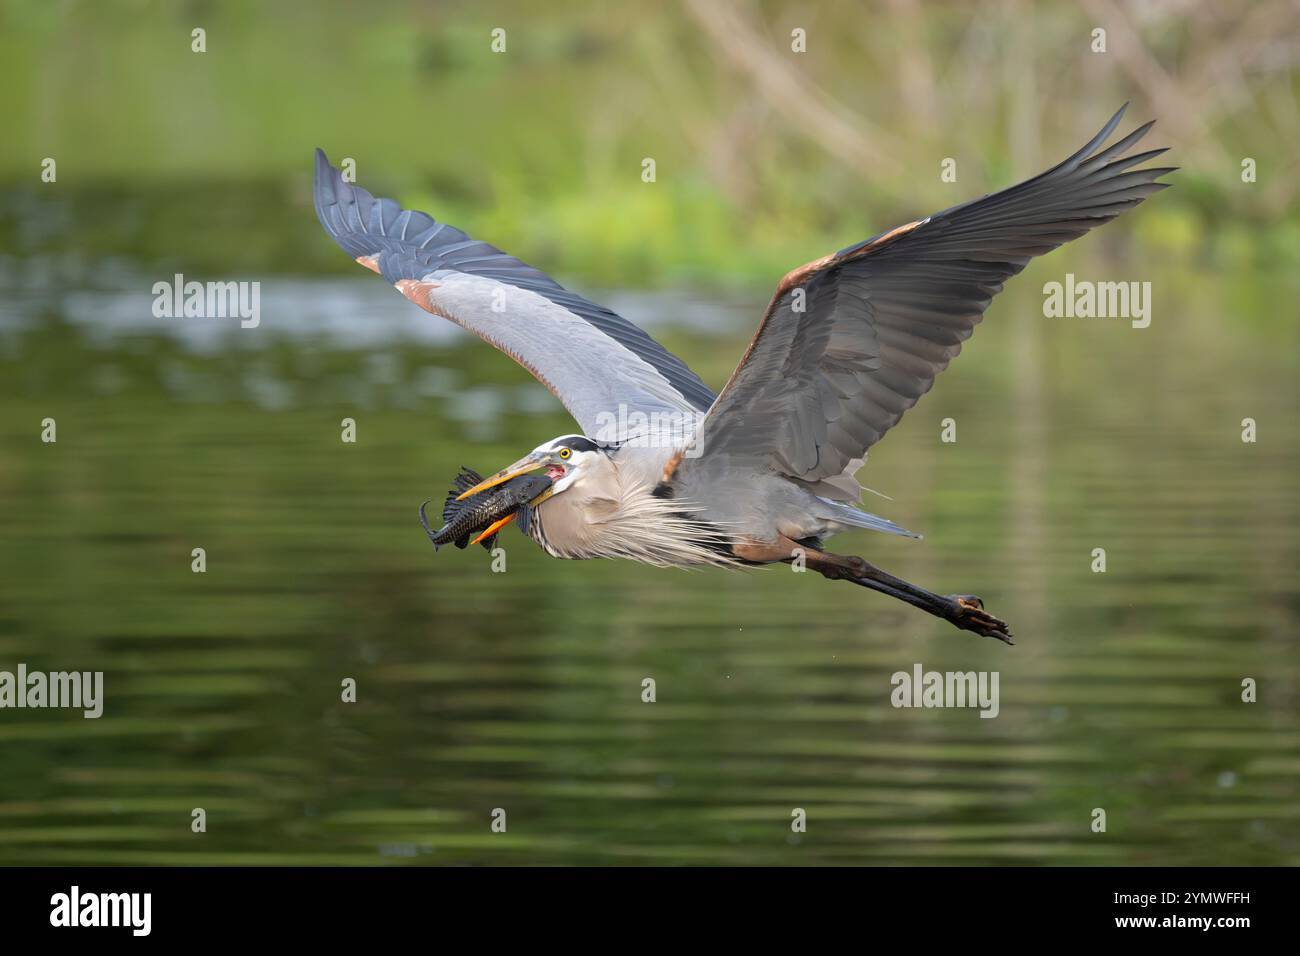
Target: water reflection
(522, 690)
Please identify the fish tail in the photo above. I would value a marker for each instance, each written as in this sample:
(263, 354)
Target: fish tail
(424, 522)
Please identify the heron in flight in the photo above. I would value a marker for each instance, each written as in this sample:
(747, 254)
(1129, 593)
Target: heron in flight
(666, 472)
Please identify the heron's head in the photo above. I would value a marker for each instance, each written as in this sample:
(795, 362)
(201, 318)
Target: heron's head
(567, 460)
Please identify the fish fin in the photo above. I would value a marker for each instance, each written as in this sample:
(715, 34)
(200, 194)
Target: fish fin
(467, 479)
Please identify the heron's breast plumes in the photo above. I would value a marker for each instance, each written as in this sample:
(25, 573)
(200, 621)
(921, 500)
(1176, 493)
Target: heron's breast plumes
(627, 522)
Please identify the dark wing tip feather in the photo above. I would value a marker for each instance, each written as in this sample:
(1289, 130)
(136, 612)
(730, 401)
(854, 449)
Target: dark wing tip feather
(1104, 134)
(365, 226)
(905, 301)
(323, 188)
(1093, 185)
(408, 244)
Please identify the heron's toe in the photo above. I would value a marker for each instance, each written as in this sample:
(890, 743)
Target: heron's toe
(971, 616)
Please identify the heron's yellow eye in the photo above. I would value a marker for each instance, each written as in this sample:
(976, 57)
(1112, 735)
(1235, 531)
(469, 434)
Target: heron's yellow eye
(565, 453)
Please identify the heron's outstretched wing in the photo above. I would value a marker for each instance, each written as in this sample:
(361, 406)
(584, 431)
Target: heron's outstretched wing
(851, 341)
(606, 371)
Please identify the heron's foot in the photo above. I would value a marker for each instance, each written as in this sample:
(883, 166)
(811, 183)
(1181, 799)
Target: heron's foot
(969, 615)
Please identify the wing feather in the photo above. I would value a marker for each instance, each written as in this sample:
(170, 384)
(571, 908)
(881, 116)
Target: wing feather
(603, 368)
(818, 387)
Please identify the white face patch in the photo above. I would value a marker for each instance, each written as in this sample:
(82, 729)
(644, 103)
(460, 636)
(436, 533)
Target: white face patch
(565, 469)
(569, 477)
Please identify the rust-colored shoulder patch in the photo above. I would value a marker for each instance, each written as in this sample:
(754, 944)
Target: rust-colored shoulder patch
(670, 466)
(797, 277)
(886, 239)
(417, 291)
(801, 275)
(370, 262)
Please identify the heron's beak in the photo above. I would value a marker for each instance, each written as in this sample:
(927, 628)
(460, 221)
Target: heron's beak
(494, 527)
(523, 466)
(502, 522)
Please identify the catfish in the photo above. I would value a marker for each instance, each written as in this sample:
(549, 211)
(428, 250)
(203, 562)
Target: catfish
(463, 519)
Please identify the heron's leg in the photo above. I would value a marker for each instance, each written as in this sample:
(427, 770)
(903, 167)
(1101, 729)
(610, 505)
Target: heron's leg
(962, 610)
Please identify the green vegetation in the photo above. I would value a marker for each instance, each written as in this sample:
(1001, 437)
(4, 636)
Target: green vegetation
(522, 691)
(539, 149)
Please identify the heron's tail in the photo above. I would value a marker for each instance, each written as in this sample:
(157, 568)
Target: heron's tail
(854, 518)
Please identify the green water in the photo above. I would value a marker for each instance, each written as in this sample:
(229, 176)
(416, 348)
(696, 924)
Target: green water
(522, 690)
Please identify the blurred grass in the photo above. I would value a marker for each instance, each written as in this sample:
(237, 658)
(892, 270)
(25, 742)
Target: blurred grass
(539, 149)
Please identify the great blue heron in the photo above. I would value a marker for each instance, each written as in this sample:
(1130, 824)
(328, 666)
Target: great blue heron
(668, 473)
